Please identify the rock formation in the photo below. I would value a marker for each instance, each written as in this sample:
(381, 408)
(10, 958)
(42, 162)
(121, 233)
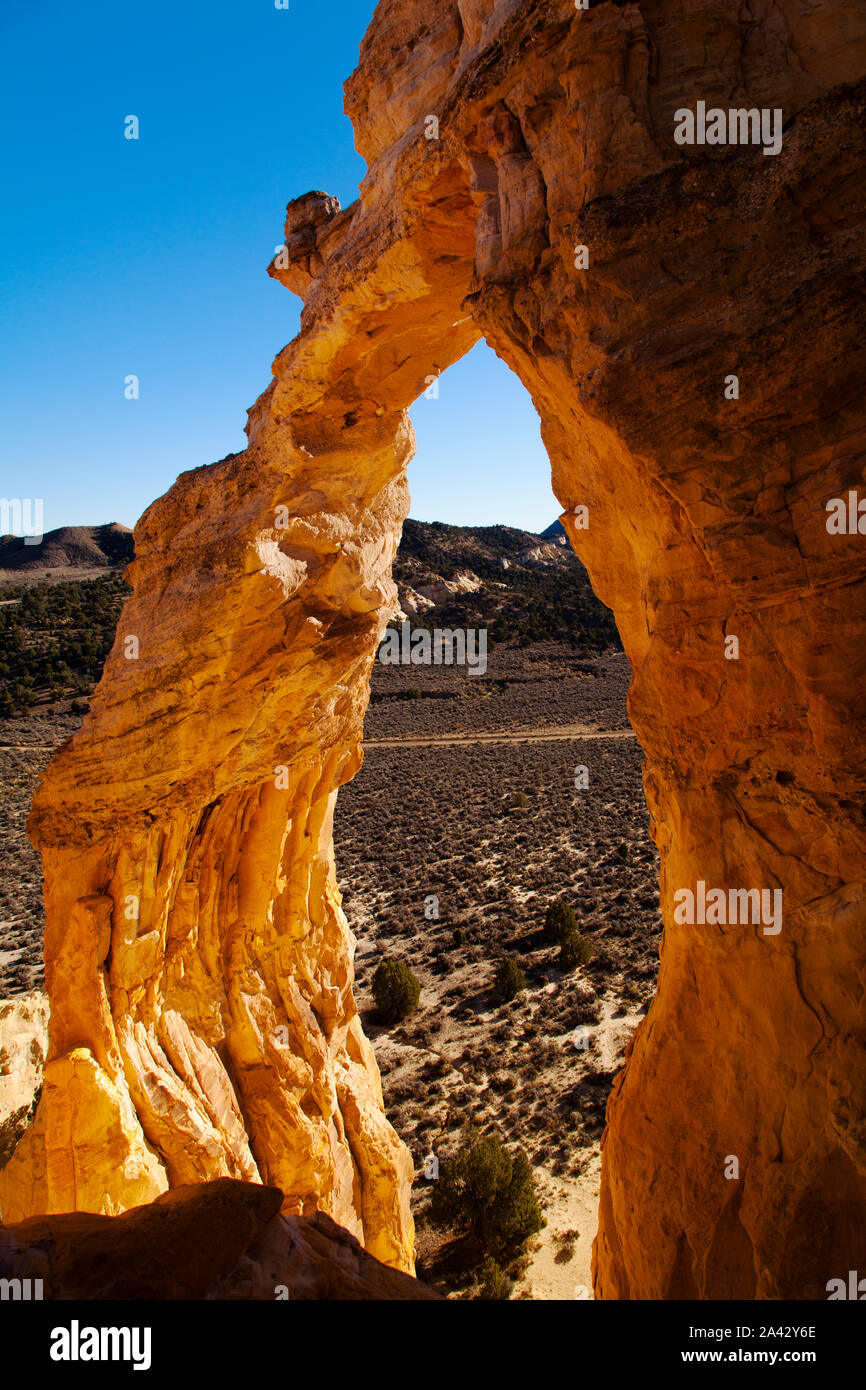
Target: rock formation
(217, 1240)
(23, 1047)
(197, 961)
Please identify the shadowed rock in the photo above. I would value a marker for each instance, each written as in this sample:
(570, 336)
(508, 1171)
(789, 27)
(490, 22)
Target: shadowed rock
(218, 1240)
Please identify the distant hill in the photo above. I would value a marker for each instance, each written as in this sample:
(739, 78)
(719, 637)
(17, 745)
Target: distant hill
(521, 586)
(493, 548)
(70, 552)
(556, 532)
(61, 599)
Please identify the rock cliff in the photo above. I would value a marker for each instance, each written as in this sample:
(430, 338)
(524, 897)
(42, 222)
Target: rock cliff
(524, 182)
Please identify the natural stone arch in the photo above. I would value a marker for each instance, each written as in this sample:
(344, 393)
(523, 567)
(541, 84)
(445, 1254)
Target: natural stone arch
(707, 519)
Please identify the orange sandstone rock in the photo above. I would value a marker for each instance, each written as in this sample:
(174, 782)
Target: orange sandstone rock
(23, 1045)
(197, 960)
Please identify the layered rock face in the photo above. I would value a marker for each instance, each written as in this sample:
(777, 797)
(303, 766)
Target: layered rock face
(198, 964)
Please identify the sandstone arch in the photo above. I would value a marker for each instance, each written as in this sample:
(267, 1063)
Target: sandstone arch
(707, 518)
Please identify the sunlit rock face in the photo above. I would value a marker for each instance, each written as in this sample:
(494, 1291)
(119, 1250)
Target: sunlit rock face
(197, 960)
(23, 1045)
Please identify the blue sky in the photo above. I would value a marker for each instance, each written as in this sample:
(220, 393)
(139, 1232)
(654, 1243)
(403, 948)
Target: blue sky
(148, 257)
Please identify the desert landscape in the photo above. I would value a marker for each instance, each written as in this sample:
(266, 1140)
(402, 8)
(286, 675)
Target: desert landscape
(533, 975)
(467, 795)
(483, 815)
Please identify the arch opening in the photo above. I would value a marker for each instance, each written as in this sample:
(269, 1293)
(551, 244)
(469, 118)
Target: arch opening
(478, 806)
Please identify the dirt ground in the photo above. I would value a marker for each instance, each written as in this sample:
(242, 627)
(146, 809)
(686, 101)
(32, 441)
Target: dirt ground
(463, 824)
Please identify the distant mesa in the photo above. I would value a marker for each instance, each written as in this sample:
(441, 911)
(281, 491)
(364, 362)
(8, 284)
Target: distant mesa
(70, 552)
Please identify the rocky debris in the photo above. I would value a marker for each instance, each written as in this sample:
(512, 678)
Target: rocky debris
(411, 603)
(540, 554)
(445, 589)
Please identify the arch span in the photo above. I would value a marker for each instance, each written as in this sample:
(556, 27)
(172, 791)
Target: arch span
(198, 962)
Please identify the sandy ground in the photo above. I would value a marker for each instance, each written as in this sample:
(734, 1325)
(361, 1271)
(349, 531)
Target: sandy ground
(561, 1255)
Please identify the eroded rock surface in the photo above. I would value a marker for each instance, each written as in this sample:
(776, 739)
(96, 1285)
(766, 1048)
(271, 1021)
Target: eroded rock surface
(197, 960)
(23, 1048)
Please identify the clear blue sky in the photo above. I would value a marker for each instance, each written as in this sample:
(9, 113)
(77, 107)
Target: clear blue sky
(148, 257)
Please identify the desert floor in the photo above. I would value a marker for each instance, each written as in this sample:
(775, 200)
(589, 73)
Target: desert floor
(466, 807)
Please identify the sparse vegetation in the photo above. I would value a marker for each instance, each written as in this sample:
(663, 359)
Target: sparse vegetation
(560, 922)
(487, 1193)
(509, 979)
(396, 990)
(435, 816)
(495, 1283)
(574, 950)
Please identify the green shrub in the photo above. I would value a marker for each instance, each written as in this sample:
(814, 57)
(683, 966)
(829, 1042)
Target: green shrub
(495, 1283)
(458, 936)
(485, 1192)
(508, 980)
(395, 989)
(574, 950)
(559, 920)
(55, 637)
